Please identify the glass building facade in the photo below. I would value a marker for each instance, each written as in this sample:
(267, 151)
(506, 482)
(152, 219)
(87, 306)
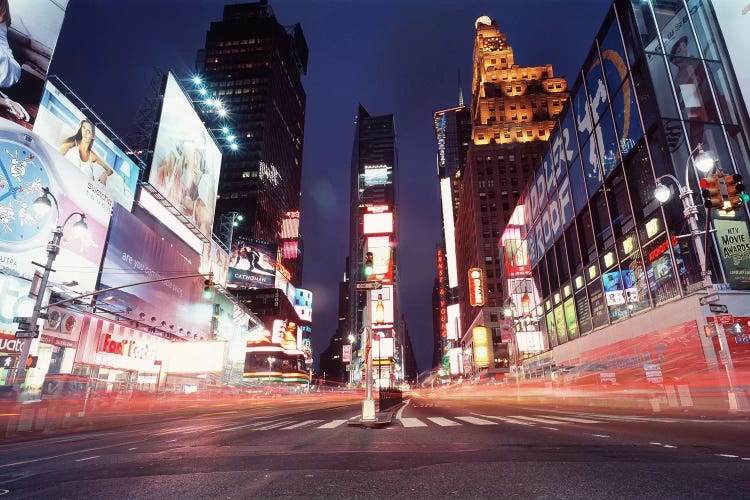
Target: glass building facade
(656, 83)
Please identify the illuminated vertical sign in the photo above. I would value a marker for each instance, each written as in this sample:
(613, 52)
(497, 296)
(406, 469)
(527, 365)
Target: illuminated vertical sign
(481, 346)
(449, 230)
(476, 287)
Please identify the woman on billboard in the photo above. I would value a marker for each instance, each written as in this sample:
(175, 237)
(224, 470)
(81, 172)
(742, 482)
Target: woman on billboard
(10, 70)
(78, 149)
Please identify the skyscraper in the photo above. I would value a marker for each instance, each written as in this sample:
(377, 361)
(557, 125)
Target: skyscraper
(512, 114)
(254, 65)
(373, 234)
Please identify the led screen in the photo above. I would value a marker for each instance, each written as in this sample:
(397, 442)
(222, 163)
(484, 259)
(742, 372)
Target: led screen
(137, 252)
(481, 346)
(28, 164)
(303, 304)
(104, 165)
(381, 223)
(195, 357)
(382, 265)
(382, 348)
(186, 162)
(25, 52)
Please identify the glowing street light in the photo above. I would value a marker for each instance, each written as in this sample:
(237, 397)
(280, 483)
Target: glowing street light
(197, 80)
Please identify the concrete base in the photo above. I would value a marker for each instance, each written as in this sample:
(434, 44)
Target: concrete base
(368, 410)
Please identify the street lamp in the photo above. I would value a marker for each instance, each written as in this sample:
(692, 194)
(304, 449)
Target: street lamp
(229, 221)
(271, 361)
(704, 162)
(42, 205)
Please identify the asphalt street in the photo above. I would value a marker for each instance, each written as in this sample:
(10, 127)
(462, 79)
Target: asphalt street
(438, 445)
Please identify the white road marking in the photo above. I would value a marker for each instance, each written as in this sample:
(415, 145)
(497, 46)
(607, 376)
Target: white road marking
(401, 411)
(727, 456)
(88, 458)
(669, 446)
(551, 428)
(573, 419)
(536, 419)
(332, 424)
(301, 424)
(131, 449)
(745, 458)
(412, 422)
(506, 419)
(655, 443)
(275, 425)
(600, 435)
(171, 441)
(476, 421)
(443, 422)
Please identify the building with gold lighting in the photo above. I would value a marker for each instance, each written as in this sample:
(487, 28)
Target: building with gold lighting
(513, 111)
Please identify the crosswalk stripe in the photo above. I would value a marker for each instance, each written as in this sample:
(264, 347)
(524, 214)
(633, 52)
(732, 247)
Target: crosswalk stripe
(476, 421)
(332, 424)
(508, 420)
(274, 426)
(573, 419)
(444, 422)
(412, 422)
(301, 424)
(536, 419)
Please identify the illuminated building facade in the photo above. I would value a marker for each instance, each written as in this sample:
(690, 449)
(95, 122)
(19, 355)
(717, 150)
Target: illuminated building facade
(373, 233)
(613, 268)
(254, 65)
(453, 136)
(513, 111)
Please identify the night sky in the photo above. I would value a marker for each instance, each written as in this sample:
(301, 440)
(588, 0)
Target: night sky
(399, 57)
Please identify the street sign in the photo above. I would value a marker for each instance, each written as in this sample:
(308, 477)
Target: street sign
(725, 319)
(709, 299)
(27, 334)
(718, 308)
(372, 285)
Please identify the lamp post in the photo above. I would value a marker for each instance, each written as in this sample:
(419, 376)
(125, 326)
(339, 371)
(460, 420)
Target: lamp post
(271, 361)
(42, 205)
(229, 221)
(704, 162)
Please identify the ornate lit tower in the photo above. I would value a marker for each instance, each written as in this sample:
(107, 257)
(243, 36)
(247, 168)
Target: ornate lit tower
(513, 111)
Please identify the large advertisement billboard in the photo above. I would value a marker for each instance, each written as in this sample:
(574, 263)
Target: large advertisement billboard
(252, 264)
(186, 161)
(104, 165)
(381, 308)
(28, 34)
(27, 165)
(215, 260)
(137, 252)
(303, 304)
(382, 263)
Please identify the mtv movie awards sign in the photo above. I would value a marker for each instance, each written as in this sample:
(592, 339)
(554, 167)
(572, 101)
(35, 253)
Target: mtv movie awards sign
(734, 245)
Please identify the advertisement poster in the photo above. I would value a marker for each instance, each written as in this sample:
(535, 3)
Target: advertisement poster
(252, 264)
(598, 306)
(138, 253)
(382, 265)
(86, 146)
(26, 48)
(28, 164)
(381, 308)
(186, 161)
(570, 318)
(584, 312)
(734, 245)
(214, 259)
(562, 335)
(303, 304)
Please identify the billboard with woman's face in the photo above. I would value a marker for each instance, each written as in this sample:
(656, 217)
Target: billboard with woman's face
(86, 146)
(186, 162)
(28, 35)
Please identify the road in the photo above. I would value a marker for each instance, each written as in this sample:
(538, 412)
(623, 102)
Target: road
(437, 446)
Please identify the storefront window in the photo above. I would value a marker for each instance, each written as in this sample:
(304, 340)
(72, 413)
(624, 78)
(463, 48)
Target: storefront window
(706, 37)
(569, 310)
(562, 334)
(660, 270)
(619, 204)
(551, 331)
(554, 280)
(586, 237)
(541, 276)
(601, 220)
(739, 149)
(598, 304)
(641, 183)
(635, 284)
(644, 92)
(723, 92)
(577, 186)
(693, 92)
(575, 264)
(644, 22)
(609, 148)
(584, 311)
(562, 260)
(662, 86)
(627, 122)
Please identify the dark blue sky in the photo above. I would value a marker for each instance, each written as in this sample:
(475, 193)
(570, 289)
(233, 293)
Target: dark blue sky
(391, 56)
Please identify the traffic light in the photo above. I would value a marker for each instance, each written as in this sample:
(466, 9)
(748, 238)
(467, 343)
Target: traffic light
(31, 362)
(368, 265)
(736, 190)
(208, 288)
(711, 191)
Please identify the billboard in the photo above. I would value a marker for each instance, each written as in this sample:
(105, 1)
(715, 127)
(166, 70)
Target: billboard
(303, 304)
(252, 264)
(28, 164)
(30, 29)
(476, 287)
(105, 165)
(382, 264)
(378, 223)
(139, 252)
(186, 161)
(214, 259)
(381, 308)
(195, 357)
(481, 346)
(382, 348)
